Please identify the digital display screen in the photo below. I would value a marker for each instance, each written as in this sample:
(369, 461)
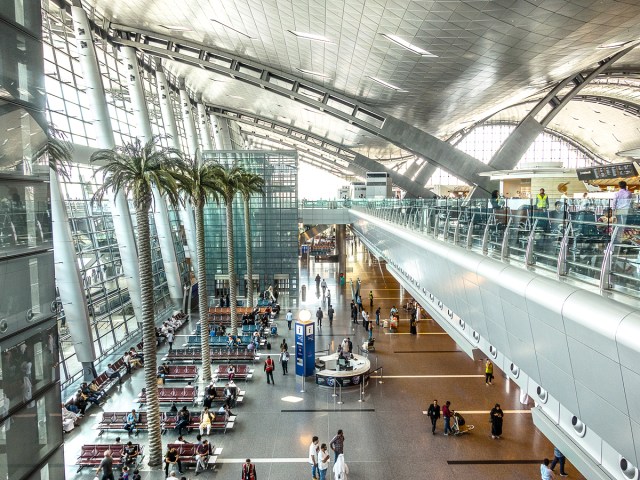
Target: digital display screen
(603, 172)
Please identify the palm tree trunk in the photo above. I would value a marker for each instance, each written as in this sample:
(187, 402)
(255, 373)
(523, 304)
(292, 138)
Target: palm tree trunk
(203, 303)
(149, 334)
(231, 264)
(247, 234)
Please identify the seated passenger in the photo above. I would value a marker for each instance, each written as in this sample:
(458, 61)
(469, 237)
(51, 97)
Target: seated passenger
(130, 453)
(131, 422)
(205, 421)
(203, 450)
(609, 219)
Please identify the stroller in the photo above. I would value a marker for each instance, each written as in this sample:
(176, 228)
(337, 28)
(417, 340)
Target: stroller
(459, 425)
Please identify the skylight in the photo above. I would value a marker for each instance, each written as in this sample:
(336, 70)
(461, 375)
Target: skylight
(409, 46)
(310, 36)
(386, 84)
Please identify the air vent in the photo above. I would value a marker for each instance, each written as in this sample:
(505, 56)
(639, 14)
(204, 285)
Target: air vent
(515, 370)
(579, 427)
(543, 396)
(628, 470)
(476, 336)
(4, 326)
(493, 351)
(440, 305)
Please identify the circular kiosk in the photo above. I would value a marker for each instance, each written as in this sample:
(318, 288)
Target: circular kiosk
(349, 372)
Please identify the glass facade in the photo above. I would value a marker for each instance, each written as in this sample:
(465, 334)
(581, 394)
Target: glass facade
(30, 434)
(274, 224)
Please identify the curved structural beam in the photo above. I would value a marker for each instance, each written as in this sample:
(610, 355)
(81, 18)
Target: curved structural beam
(516, 145)
(396, 131)
(316, 141)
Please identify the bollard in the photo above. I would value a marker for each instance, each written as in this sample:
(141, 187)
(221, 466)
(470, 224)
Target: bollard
(334, 389)
(340, 398)
(361, 400)
(302, 391)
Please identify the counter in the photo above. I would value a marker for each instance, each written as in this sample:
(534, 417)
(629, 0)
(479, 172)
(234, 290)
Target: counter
(347, 378)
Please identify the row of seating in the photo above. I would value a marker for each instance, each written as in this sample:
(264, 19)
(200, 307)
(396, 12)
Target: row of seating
(187, 453)
(172, 395)
(218, 355)
(115, 421)
(185, 373)
(242, 372)
(91, 455)
(194, 340)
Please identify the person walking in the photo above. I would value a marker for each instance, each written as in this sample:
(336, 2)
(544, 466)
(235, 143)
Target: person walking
(323, 284)
(170, 338)
(106, 467)
(337, 445)
(495, 417)
(488, 372)
(446, 415)
(558, 457)
(313, 458)
(340, 469)
(354, 313)
(127, 361)
(284, 361)
(365, 319)
(318, 282)
(371, 299)
(378, 316)
(289, 319)
(249, 470)
(330, 313)
(323, 462)
(370, 330)
(328, 297)
(319, 316)
(269, 367)
(433, 412)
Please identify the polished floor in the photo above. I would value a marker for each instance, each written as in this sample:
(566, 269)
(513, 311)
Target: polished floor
(387, 435)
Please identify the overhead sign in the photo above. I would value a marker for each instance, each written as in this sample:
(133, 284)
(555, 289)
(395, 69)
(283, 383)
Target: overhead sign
(604, 172)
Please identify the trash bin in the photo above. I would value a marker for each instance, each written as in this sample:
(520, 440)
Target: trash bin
(303, 293)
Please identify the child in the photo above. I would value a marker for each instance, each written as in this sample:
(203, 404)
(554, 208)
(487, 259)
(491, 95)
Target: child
(124, 475)
(136, 475)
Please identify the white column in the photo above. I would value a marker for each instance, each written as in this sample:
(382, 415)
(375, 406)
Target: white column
(122, 224)
(215, 128)
(168, 117)
(203, 124)
(68, 277)
(225, 134)
(187, 120)
(160, 211)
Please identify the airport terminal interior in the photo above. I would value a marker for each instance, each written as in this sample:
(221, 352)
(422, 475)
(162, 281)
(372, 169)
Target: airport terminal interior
(401, 201)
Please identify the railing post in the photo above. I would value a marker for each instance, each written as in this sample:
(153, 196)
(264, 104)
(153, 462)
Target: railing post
(470, 233)
(529, 258)
(562, 254)
(504, 251)
(436, 224)
(485, 239)
(445, 230)
(607, 262)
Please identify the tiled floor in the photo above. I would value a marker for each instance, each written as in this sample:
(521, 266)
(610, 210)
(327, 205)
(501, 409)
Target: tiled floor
(387, 435)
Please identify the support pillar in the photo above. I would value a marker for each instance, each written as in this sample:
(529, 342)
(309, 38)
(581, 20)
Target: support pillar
(203, 124)
(123, 227)
(187, 120)
(160, 211)
(68, 277)
(215, 128)
(169, 120)
(341, 247)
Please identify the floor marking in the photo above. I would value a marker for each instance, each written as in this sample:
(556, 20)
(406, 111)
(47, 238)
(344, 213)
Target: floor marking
(264, 460)
(329, 410)
(420, 333)
(429, 351)
(482, 412)
(427, 376)
(493, 462)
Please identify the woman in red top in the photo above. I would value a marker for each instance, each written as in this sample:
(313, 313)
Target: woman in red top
(269, 366)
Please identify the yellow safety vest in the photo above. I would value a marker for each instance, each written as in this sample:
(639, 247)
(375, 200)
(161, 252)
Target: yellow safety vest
(542, 201)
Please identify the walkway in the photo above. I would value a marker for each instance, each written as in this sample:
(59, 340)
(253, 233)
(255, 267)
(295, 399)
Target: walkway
(387, 436)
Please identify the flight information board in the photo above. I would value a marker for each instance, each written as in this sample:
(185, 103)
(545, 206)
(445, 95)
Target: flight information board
(603, 172)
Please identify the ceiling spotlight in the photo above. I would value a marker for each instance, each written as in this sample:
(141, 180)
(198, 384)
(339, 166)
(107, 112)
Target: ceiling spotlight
(386, 84)
(614, 44)
(233, 29)
(309, 72)
(310, 36)
(409, 46)
(176, 28)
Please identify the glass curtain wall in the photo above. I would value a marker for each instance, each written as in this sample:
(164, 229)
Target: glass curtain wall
(274, 224)
(30, 433)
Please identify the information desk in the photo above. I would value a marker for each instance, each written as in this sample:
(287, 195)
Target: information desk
(359, 372)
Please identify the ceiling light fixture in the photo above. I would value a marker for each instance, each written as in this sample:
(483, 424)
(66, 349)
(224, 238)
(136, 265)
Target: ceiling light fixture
(614, 45)
(231, 28)
(236, 97)
(409, 46)
(386, 84)
(310, 36)
(310, 72)
(176, 28)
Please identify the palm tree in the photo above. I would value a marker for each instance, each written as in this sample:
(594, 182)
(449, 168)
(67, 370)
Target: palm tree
(137, 169)
(199, 182)
(251, 184)
(229, 182)
(57, 151)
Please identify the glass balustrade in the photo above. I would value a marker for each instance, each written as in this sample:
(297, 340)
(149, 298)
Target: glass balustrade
(584, 239)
